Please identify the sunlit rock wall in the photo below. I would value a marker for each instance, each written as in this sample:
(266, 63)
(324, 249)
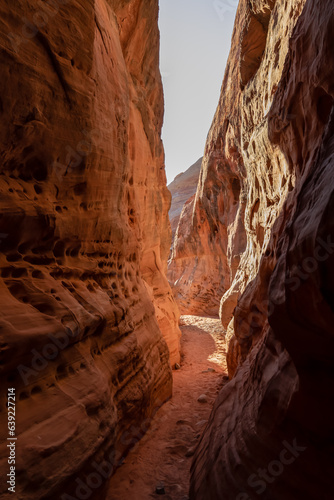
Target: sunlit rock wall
(88, 327)
(182, 188)
(244, 179)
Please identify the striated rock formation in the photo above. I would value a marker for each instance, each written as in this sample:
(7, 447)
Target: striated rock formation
(182, 188)
(87, 315)
(222, 226)
(270, 434)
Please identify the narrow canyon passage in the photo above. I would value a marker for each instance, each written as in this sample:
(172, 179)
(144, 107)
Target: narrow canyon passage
(90, 293)
(163, 455)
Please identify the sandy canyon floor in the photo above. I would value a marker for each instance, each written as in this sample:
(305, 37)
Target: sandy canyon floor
(163, 456)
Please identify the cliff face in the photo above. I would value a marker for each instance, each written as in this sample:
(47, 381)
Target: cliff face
(270, 152)
(222, 228)
(182, 188)
(88, 321)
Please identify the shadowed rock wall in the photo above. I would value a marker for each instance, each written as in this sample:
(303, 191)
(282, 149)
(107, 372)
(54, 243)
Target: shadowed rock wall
(270, 434)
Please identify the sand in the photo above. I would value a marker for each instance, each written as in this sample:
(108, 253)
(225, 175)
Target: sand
(163, 456)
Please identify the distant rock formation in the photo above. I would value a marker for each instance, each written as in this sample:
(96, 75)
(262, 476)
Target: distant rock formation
(263, 218)
(88, 325)
(182, 188)
(195, 257)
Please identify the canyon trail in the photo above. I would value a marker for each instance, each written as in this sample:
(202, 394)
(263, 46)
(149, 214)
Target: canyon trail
(164, 454)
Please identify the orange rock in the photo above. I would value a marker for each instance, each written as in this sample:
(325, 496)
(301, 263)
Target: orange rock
(87, 314)
(182, 188)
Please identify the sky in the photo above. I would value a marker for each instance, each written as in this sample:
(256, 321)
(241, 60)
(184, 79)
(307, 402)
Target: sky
(195, 37)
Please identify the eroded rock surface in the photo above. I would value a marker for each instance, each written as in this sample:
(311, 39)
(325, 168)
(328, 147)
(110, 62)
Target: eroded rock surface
(270, 432)
(238, 183)
(88, 322)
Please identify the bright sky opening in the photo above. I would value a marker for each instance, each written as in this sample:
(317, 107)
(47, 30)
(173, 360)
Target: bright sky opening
(195, 43)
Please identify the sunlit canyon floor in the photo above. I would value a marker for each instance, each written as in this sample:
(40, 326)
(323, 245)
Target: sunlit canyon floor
(164, 454)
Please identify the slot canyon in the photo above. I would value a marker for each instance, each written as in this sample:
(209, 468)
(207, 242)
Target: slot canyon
(155, 344)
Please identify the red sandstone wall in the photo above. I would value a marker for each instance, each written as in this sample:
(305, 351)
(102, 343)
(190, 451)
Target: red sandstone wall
(86, 311)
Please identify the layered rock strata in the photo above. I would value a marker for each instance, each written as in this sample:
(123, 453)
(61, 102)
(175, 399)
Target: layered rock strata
(88, 322)
(270, 433)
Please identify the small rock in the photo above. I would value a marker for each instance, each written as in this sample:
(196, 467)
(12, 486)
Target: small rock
(160, 490)
(177, 366)
(209, 370)
(203, 398)
(190, 452)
